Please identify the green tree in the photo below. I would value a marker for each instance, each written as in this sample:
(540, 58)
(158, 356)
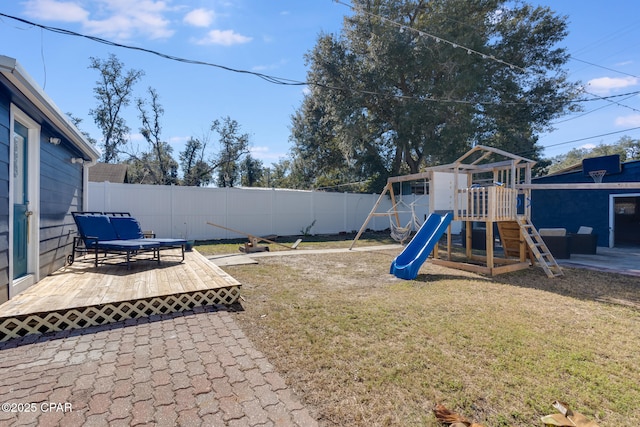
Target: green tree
(76, 122)
(415, 83)
(158, 163)
(233, 146)
(196, 171)
(113, 92)
(278, 175)
(251, 171)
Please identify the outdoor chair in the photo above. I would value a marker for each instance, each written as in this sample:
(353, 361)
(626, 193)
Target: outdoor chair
(127, 228)
(584, 241)
(99, 236)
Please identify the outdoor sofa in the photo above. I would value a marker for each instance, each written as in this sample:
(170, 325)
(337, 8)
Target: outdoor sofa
(117, 234)
(563, 244)
(583, 242)
(557, 241)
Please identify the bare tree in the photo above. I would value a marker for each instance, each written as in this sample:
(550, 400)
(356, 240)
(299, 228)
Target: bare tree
(113, 91)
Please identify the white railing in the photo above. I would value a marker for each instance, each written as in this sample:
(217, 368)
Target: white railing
(487, 204)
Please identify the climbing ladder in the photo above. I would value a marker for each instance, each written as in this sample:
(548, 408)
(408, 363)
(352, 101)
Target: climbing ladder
(539, 248)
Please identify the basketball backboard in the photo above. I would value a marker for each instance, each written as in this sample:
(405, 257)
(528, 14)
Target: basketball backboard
(610, 164)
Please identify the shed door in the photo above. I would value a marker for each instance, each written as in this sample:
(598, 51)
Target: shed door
(627, 220)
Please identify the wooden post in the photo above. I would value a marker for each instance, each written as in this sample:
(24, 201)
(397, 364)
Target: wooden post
(449, 242)
(393, 203)
(468, 238)
(490, 238)
(373, 211)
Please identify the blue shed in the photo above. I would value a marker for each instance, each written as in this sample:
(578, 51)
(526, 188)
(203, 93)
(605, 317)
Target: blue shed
(614, 214)
(44, 162)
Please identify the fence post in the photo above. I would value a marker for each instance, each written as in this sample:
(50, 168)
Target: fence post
(106, 197)
(171, 210)
(345, 205)
(273, 214)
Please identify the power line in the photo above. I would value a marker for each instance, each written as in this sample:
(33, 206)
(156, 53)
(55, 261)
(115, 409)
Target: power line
(292, 82)
(269, 78)
(603, 67)
(286, 81)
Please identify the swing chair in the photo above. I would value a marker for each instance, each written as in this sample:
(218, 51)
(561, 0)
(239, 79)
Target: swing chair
(399, 233)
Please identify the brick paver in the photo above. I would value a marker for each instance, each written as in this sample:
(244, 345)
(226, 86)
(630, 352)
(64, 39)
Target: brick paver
(193, 368)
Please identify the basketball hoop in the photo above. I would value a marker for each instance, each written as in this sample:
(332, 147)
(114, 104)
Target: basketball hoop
(597, 175)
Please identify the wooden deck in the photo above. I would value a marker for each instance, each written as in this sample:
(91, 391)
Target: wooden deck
(81, 295)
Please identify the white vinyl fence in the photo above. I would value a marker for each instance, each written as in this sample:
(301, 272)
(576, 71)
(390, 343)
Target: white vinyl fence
(183, 212)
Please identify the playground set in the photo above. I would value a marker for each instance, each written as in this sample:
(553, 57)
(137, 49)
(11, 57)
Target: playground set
(485, 185)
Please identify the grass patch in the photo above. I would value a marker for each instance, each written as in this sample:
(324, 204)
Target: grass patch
(367, 349)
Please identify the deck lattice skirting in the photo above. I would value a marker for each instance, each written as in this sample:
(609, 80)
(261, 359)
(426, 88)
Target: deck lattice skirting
(84, 317)
(78, 315)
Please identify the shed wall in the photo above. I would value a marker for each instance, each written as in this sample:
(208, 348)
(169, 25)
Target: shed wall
(571, 209)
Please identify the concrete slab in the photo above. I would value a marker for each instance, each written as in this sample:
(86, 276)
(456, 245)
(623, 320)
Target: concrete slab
(623, 260)
(231, 259)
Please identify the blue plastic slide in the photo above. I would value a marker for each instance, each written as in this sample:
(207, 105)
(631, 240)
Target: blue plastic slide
(407, 264)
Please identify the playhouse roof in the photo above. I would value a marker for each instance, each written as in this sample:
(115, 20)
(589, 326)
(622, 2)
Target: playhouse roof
(485, 157)
(480, 158)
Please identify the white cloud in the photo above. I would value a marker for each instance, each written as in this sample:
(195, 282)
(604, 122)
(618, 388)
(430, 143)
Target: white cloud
(605, 85)
(264, 153)
(631, 120)
(120, 19)
(53, 10)
(199, 17)
(223, 37)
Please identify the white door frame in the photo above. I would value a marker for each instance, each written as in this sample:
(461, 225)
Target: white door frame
(612, 214)
(33, 267)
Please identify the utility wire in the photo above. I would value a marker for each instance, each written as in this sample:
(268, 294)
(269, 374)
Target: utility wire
(603, 67)
(281, 80)
(291, 82)
(269, 78)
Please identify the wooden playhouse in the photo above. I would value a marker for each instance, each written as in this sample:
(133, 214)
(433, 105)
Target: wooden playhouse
(490, 186)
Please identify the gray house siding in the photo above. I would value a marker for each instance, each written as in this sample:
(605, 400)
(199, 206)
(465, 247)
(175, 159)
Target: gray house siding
(4, 195)
(61, 184)
(60, 194)
(571, 209)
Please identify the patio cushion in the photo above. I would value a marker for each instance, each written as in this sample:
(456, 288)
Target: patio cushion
(127, 227)
(553, 231)
(128, 245)
(95, 227)
(585, 230)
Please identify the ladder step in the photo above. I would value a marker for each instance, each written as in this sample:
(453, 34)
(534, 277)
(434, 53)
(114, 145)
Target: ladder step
(537, 246)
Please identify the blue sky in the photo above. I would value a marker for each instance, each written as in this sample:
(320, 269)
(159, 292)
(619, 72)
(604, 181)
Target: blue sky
(271, 37)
